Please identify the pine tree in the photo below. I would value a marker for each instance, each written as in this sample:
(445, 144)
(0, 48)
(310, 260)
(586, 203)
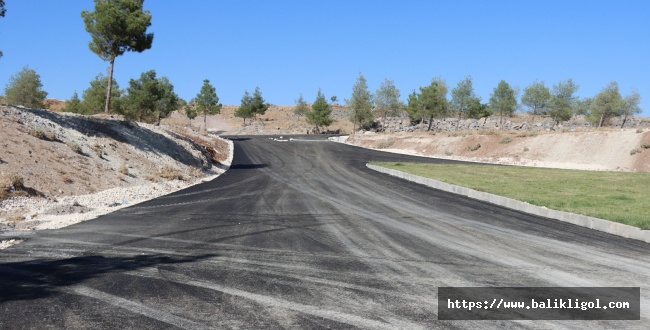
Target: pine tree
(245, 109)
(321, 112)
(25, 88)
(73, 105)
(207, 102)
(360, 104)
(117, 26)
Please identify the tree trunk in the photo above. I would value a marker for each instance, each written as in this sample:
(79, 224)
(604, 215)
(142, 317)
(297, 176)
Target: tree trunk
(600, 122)
(624, 120)
(500, 119)
(110, 86)
(430, 123)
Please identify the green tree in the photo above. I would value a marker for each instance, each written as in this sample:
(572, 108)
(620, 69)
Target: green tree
(117, 26)
(413, 108)
(387, 99)
(537, 98)
(190, 110)
(503, 101)
(333, 99)
(360, 104)
(461, 98)
(258, 105)
(630, 106)
(2, 14)
(433, 100)
(93, 99)
(74, 104)
(478, 110)
(207, 102)
(301, 108)
(321, 112)
(608, 103)
(245, 109)
(149, 98)
(563, 102)
(25, 88)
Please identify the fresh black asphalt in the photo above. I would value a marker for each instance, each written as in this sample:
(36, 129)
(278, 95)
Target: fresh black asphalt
(301, 235)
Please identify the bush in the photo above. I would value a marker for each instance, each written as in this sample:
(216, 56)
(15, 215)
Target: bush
(123, 169)
(46, 136)
(474, 147)
(170, 173)
(505, 140)
(635, 151)
(11, 185)
(75, 147)
(385, 144)
(645, 145)
(24, 88)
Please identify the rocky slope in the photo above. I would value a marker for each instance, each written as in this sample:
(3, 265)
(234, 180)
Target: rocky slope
(59, 168)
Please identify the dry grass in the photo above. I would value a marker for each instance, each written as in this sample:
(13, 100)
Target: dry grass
(124, 170)
(505, 140)
(11, 185)
(170, 173)
(43, 135)
(474, 147)
(385, 144)
(75, 147)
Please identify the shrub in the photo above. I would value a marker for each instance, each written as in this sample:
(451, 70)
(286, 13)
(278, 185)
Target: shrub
(170, 173)
(123, 169)
(75, 147)
(639, 130)
(474, 147)
(11, 185)
(505, 140)
(385, 144)
(645, 145)
(526, 149)
(46, 136)
(635, 151)
(448, 153)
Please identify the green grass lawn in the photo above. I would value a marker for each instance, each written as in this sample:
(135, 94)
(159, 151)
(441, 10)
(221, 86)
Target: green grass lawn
(616, 196)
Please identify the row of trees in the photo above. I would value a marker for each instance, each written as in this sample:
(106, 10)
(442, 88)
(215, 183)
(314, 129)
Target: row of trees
(559, 102)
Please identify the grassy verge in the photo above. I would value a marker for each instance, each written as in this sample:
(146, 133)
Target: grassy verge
(616, 196)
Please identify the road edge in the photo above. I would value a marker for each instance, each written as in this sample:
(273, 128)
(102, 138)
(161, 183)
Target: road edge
(607, 226)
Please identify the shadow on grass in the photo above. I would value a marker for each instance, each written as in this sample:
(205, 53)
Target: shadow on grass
(36, 279)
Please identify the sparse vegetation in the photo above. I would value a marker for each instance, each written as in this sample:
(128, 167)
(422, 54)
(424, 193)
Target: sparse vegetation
(43, 135)
(123, 169)
(474, 147)
(615, 196)
(75, 147)
(505, 140)
(385, 144)
(170, 173)
(645, 145)
(448, 153)
(11, 185)
(635, 151)
(526, 149)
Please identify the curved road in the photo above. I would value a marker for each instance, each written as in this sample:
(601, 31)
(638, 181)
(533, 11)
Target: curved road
(301, 234)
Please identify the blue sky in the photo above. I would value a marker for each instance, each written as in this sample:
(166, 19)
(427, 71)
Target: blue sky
(292, 47)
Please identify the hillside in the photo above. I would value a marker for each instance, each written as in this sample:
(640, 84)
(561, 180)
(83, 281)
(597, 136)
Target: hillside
(56, 164)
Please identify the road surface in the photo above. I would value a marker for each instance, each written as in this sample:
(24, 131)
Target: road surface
(301, 234)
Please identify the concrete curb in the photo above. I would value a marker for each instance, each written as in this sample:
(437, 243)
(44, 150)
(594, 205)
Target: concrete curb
(607, 226)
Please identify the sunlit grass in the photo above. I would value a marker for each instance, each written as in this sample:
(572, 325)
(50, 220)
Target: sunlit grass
(617, 196)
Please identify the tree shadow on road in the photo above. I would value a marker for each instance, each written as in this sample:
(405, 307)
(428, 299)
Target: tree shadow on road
(34, 279)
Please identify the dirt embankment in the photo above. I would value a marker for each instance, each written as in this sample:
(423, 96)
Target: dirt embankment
(53, 164)
(603, 150)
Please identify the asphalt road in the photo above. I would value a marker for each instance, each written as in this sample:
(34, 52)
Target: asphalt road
(301, 234)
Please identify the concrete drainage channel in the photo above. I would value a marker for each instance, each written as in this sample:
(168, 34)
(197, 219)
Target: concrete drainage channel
(607, 226)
